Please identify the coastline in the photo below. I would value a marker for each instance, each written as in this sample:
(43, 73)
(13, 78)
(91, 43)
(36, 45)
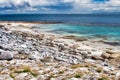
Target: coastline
(26, 45)
(33, 22)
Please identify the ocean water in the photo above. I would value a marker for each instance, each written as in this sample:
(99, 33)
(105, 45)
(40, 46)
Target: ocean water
(89, 32)
(91, 26)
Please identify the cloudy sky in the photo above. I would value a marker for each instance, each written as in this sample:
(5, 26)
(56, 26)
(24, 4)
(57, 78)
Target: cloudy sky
(59, 6)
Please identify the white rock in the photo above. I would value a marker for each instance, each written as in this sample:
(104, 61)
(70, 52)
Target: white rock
(33, 79)
(84, 69)
(53, 79)
(21, 76)
(118, 74)
(24, 46)
(5, 55)
(9, 79)
(36, 56)
(1, 78)
(90, 60)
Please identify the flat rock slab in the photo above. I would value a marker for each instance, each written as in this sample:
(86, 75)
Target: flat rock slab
(6, 55)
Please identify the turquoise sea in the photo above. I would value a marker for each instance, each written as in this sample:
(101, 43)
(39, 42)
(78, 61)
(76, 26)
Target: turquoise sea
(89, 32)
(91, 26)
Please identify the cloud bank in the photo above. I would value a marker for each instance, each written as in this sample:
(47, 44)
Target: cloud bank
(59, 6)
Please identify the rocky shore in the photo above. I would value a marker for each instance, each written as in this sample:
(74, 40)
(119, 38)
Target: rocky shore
(26, 53)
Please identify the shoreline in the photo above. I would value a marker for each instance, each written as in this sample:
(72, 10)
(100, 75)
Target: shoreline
(73, 37)
(32, 22)
(49, 56)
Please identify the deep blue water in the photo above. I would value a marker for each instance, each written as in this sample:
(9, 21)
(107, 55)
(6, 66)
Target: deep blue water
(105, 26)
(77, 19)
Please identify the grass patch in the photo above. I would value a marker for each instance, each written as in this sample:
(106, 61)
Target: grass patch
(77, 76)
(99, 70)
(76, 66)
(34, 73)
(25, 70)
(103, 78)
(63, 79)
(1, 65)
(61, 72)
(51, 76)
(11, 76)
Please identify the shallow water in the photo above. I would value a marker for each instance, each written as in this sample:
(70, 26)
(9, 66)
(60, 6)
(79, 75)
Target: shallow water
(89, 32)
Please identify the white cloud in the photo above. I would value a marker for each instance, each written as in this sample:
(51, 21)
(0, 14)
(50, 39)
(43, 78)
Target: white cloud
(79, 6)
(85, 6)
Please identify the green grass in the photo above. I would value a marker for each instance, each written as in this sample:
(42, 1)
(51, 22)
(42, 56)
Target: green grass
(34, 74)
(99, 70)
(61, 72)
(11, 76)
(25, 70)
(77, 76)
(103, 78)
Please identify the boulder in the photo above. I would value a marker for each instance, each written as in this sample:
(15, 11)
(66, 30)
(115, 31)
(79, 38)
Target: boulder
(1, 25)
(21, 76)
(111, 55)
(6, 55)
(105, 55)
(96, 57)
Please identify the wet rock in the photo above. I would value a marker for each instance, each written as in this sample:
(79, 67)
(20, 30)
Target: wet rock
(6, 55)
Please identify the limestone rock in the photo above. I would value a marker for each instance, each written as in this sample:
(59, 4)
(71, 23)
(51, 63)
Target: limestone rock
(6, 55)
(21, 76)
(111, 55)
(105, 55)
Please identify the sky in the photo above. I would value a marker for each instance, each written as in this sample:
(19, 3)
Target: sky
(59, 6)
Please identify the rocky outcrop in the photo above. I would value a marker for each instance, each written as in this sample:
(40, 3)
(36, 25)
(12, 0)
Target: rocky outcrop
(38, 56)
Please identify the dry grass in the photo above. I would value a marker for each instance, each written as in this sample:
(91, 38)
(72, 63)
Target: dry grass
(26, 69)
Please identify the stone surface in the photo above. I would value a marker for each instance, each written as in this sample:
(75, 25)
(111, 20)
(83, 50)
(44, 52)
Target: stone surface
(42, 56)
(6, 55)
(111, 55)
